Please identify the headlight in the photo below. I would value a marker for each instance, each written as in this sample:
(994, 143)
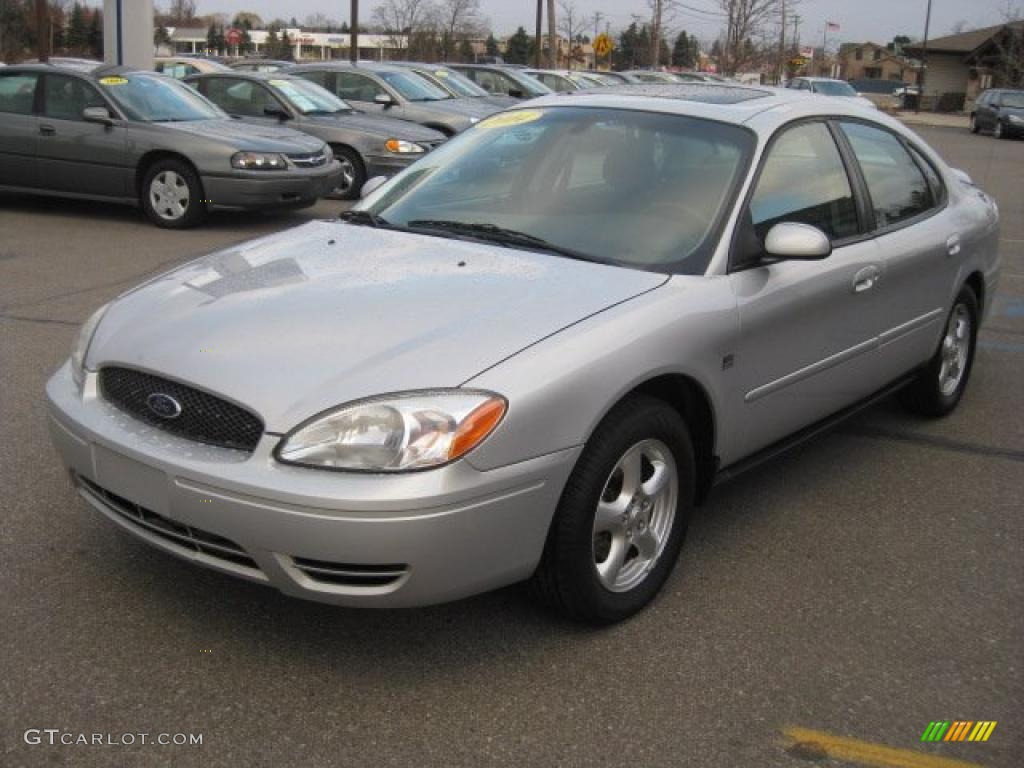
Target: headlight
(400, 147)
(1015, 118)
(259, 161)
(81, 348)
(396, 433)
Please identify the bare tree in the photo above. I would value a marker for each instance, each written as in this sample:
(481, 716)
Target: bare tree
(1007, 62)
(552, 36)
(401, 18)
(181, 12)
(458, 19)
(743, 20)
(572, 25)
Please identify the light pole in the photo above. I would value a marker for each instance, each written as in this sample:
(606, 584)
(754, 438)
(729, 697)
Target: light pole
(353, 44)
(924, 59)
(537, 40)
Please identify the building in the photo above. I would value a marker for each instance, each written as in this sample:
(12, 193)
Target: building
(959, 67)
(871, 61)
(305, 45)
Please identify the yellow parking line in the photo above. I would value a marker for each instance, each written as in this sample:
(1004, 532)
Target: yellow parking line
(866, 753)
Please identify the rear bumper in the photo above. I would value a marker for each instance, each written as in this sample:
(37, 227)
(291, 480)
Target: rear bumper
(359, 540)
(271, 189)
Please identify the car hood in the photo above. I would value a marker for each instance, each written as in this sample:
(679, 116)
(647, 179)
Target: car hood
(464, 107)
(382, 127)
(304, 320)
(246, 136)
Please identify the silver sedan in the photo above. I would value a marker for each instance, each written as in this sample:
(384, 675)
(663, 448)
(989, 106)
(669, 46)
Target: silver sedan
(532, 353)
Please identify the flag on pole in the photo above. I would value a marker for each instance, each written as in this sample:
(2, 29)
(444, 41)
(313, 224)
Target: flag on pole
(831, 26)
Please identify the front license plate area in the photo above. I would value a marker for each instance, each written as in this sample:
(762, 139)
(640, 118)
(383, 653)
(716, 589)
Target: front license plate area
(131, 479)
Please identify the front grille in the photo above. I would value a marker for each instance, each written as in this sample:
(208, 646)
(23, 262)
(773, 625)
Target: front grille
(308, 160)
(348, 574)
(196, 539)
(202, 417)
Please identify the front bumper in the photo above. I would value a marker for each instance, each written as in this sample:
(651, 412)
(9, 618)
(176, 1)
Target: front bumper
(388, 165)
(271, 189)
(348, 539)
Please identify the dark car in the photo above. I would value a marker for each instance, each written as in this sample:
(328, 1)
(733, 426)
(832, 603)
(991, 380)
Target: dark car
(365, 145)
(455, 83)
(1001, 111)
(503, 81)
(261, 65)
(396, 92)
(138, 137)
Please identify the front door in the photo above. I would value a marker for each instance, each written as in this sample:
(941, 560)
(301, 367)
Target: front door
(809, 329)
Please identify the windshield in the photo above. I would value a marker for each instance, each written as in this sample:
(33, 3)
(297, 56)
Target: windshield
(833, 88)
(309, 98)
(158, 99)
(412, 87)
(1013, 100)
(454, 82)
(637, 189)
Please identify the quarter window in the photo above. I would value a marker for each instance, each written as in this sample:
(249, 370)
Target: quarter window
(803, 180)
(17, 92)
(896, 185)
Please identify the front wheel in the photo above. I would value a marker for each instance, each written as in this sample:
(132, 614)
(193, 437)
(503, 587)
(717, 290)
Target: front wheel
(937, 389)
(998, 132)
(622, 517)
(172, 195)
(353, 174)
(973, 124)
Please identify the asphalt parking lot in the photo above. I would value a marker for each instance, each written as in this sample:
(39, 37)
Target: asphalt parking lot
(858, 588)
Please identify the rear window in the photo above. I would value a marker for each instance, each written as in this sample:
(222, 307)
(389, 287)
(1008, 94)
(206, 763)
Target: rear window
(17, 92)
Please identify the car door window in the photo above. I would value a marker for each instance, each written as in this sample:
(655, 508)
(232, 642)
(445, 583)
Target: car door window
(65, 98)
(17, 92)
(804, 180)
(240, 97)
(897, 187)
(355, 87)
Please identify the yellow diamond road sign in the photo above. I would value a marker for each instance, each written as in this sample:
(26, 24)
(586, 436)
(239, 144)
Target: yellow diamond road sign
(603, 44)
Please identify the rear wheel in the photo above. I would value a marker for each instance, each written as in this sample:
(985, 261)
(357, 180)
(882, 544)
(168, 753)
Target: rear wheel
(622, 518)
(172, 195)
(941, 383)
(353, 174)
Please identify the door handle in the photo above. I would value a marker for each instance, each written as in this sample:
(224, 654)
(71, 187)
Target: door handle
(47, 130)
(866, 279)
(953, 245)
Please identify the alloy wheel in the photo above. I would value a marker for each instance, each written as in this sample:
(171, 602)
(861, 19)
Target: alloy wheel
(955, 349)
(169, 195)
(348, 176)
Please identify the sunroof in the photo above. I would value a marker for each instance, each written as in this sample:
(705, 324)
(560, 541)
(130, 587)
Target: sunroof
(709, 93)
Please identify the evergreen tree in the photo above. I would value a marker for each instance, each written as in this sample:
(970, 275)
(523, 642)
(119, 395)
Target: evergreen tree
(683, 51)
(94, 37)
(491, 45)
(284, 50)
(466, 51)
(78, 29)
(272, 43)
(519, 48)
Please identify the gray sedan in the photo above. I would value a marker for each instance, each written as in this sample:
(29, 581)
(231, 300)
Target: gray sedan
(365, 145)
(139, 137)
(381, 89)
(529, 355)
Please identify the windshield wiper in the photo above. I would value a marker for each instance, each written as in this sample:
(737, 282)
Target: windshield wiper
(365, 219)
(495, 234)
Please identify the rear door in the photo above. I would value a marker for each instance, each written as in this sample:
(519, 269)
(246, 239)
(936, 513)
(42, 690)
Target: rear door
(361, 90)
(74, 155)
(918, 236)
(19, 128)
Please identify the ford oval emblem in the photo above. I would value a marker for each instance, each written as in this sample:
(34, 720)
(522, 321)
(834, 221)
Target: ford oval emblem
(164, 406)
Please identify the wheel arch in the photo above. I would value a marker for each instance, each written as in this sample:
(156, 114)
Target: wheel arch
(156, 155)
(976, 282)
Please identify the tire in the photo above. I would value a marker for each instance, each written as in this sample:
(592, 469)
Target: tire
(577, 576)
(997, 130)
(172, 195)
(973, 124)
(937, 389)
(353, 174)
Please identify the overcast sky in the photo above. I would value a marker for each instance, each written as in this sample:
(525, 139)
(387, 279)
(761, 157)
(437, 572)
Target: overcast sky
(859, 20)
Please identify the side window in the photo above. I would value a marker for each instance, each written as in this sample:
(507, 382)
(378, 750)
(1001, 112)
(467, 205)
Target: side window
(803, 180)
(17, 92)
(937, 188)
(896, 185)
(65, 98)
(320, 78)
(486, 80)
(239, 97)
(351, 86)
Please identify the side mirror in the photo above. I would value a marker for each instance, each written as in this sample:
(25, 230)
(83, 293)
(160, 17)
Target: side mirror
(99, 115)
(372, 185)
(383, 99)
(516, 94)
(277, 112)
(801, 242)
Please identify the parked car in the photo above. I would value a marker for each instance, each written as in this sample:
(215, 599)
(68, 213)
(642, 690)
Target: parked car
(563, 80)
(69, 62)
(261, 65)
(648, 76)
(825, 86)
(1001, 111)
(391, 91)
(608, 77)
(142, 138)
(365, 145)
(503, 80)
(455, 83)
(529, 355)
(180, 67)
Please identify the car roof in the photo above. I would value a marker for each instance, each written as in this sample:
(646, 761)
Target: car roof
(245, 75)
(365, 66)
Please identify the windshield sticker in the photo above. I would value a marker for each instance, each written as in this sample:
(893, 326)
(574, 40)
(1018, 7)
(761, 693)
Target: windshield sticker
(440, 73)
(512, 118)
(280, 83)
(113, 81)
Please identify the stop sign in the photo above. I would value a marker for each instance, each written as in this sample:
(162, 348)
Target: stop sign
(233, 36)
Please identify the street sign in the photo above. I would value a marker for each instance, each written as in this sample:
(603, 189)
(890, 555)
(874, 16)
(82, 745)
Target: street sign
(233, 36)
(603, 44)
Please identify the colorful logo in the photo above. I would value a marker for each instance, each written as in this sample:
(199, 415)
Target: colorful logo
(959, 730)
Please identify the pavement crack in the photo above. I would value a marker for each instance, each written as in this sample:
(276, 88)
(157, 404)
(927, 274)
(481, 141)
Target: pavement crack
(934, 441)
(44, 320)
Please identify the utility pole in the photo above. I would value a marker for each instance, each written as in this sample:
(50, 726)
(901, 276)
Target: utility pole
(796, 30)
(537, 41)
(42, 31)
(924, 58)
(656, 33)
(552, 36)
(597, 22)
(782, 43)
(353, 47)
